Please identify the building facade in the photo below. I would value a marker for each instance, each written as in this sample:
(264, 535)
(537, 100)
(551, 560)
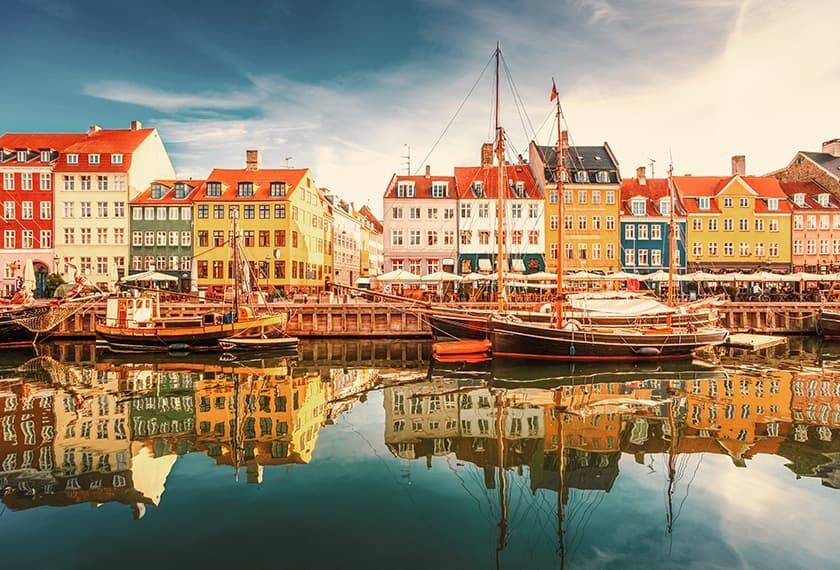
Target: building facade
(371, 256)
(347, 240)
(26, 179)
(162, 229)
(820, 167)
(96, 177)
(645, 226)
(524, 226)
(815, 229)
(735, 223)
(284, 224)
(420, 223)
(591, 196)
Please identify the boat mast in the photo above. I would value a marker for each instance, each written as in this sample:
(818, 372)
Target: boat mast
(500, 200)
(672, 241)
(560, 173)
(236, 268)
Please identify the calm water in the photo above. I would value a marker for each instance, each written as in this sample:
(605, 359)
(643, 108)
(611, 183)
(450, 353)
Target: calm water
(357, 455)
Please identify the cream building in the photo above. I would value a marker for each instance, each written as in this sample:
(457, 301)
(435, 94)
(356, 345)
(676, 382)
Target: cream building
(94, 180)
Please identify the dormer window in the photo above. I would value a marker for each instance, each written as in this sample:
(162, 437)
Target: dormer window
(72, 159)
(46, 156)
(405, 189)
(116, 159)
(519, 189)
(665, 206)
(277, 189)
(245, 189)
(21, 155)
(637, 206)
(158, 190)
(799, 199)
(477, 188)
(703, 203)
(181, 190)
(439, 189)
(581, 176)
(603, 177)
(93, 159)
(214, 189)
(822, 200)
(772, 203)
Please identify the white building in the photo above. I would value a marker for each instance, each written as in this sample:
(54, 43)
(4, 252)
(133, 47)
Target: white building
(347, 241)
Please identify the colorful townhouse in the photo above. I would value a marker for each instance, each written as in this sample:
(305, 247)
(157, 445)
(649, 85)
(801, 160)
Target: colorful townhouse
(285, 226)
(646, 223)
(524, 226)
(371, 255)
(420, 223)
(822, 168)
(591, 209)
(96, 177)
(161, 229)
(816, 227)
(347, 239)
(26, 182)
(737, 222)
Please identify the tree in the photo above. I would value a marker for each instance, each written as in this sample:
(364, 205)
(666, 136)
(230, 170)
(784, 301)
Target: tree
(54, 280)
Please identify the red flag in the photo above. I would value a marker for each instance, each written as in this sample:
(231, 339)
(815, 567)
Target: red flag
(554, 93)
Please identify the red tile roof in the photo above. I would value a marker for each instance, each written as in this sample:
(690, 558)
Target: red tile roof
(691, 188)
(422, 185)
(366, 212)
(489, 175)
(104, 142)
(653, 189)
(262, 178)
(36, 142)
(168, 197)
(811, 190)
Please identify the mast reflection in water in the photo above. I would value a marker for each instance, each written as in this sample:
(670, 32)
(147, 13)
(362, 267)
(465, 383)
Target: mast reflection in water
(572, 466)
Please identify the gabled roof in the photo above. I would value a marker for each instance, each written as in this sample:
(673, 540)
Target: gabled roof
(422, 185)
(261, 178)
(489, 177)
(654, 189)
(592, 159)
(691, 188)
(810, 190)
(168, 197)
(104, 142)
(366, 212)
(36, 142)
(828, 162)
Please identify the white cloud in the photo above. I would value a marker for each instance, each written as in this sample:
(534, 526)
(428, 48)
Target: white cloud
(704, 79)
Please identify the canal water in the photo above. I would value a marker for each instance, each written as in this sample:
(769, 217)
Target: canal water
(361, 455)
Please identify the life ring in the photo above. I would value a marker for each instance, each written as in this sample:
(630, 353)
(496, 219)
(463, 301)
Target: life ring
(572, 325)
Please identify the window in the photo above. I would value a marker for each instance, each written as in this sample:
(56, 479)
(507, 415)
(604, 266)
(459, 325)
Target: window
(27, 239)
(516, 210)
(431, 237)
(265, 212)
(596, 197)
(629, 257)
(45, 156)
(773, 249)
(774, 225)
(727, 225)
(656, 232)
(466, 237)
(9, 210)
(610, 251)
(85, 209)
(46, 239)
(629, 231)
(713, 224)
(72, 159)
(396, 213)
(69, 236)
(136, 239)
(744, 249)
(86, 236)
(516, 237)
(449, 237)
(553, 197)
(637, 206)
(26, 181)
(610, 223)
(697, 250)
(581, 177)
(697, 224)
(567, 197)
(703, 203)
(102, 209)
(824, 222)
(248, 211)
(824, 247)
(533, 237)
(414, 237)
(533, 211)
(101, 235)
(727, 202)
(553, 222)
(713, 249)
(596, 222)
(568, 222)
(26, 210)
(596, 251)
(161, 239)
(245, 189)
(8, 180)
(277, 189)
(203, 211)
(93, 159)
(643, 231)
(101, 182)
(483, 237)
(610, 197)
(396, 237)
(643, 257)
(414, 213)
(439, 189)
(466, 210)
(744, 225)
(759, 225)
(655, 257)
(582, 196)
(811, 247)
(728, 249)
(214, 189)
(581, 222)
(772, 204)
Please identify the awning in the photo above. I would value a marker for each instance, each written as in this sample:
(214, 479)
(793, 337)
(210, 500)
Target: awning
(517, 265)
(448, 262)
(150, 276)
(485, 265)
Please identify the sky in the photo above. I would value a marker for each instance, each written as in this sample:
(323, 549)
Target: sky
(347, 87)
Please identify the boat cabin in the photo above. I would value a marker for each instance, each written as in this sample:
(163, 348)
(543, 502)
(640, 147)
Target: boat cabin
(144, 312)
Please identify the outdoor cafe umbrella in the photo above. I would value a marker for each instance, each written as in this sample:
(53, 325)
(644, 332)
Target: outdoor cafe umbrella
(441, 276)
(29, 276)
(540, 276)
(399, 275)
(474, 277)
(150, 276)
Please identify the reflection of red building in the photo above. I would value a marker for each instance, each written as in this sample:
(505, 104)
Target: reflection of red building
(26, 178)
(28, 429)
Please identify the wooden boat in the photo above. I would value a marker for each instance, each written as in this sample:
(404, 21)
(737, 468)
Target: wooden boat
(828, 324)
(461, 350)
(133, 324)
(12, 332)
(256, 344)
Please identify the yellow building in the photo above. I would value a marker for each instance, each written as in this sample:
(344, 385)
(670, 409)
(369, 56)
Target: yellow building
(591, 204)
(285, 228)
(372, 246)
(735, 223)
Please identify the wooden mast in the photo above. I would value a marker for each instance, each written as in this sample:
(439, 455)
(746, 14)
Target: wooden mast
(500, 201)
(672, 241)
(236, 268)
(560, 173)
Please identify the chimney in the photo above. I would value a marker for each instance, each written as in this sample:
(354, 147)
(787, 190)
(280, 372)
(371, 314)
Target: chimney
(832, 147)
(252, 160)
(428, 171)
(94, 129)
(640, 175)
(136, 125)
(487, 154)
(739, 165)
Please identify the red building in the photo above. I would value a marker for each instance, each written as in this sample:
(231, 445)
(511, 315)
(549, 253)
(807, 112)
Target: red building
(816, 227)
(26, 183)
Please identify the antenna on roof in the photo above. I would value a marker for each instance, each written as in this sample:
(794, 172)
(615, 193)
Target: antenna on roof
(651, 162)
(288, 158)
(407, 159)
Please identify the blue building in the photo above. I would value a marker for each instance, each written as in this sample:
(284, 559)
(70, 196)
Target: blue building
(645, 226)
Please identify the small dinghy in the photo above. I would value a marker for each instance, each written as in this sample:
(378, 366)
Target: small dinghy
(258, 343)
(461, 350)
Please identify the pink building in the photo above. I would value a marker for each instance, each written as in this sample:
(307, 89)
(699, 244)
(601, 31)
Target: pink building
(815, 234)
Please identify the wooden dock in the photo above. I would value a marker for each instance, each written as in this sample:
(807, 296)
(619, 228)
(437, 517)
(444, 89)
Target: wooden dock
(754, 341)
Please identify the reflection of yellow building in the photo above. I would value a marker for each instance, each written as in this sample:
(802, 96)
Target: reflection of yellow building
(271, 417)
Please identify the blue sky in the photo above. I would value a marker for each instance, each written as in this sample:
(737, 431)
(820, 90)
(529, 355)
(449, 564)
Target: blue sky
(341, 86)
